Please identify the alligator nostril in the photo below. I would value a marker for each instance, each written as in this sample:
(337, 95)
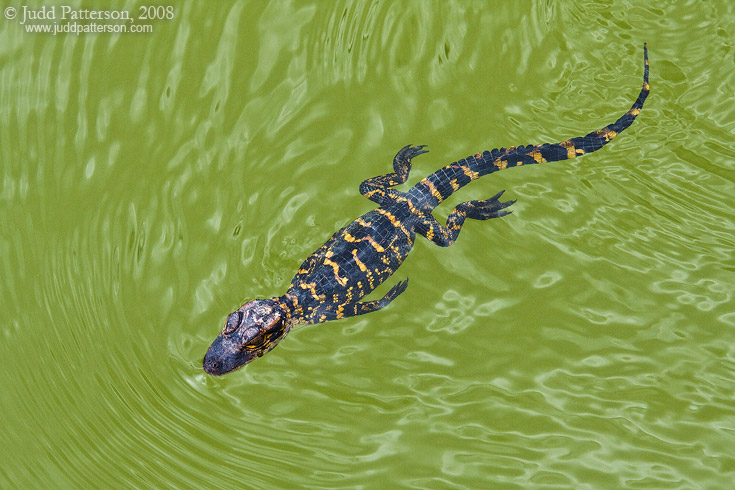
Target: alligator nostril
(212, 366)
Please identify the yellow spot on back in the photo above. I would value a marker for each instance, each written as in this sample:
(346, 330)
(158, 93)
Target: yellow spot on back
(394, 221)
(569, 146)
(341, 280)
(358, 261)
(375, 244)
(352, 239)
(469, 173)
(432, 189)
(408, 202)
(536, 155)
(606, 133)
(311, 287)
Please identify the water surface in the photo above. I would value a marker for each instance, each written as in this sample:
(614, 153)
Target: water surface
(152, 182)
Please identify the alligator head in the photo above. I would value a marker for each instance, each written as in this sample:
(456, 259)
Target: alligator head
(251, 331)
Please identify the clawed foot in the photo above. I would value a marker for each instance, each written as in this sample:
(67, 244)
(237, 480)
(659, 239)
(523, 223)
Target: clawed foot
(395, 291)
(486, 209)
(402, 160)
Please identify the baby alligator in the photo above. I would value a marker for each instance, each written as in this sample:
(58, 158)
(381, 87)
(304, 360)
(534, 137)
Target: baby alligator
(330, 284)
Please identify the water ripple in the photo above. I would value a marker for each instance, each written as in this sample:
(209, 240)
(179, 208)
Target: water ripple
(152, 183)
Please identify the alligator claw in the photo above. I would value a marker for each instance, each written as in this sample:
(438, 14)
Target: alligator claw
(486, 209)
(402, 160)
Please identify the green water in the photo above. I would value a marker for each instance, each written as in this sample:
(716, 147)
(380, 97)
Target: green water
(152, 182)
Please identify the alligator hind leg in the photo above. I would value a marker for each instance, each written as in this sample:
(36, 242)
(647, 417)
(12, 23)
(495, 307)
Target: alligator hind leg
(376, 188)
(327, 312)
(485, 209)
(480, 210)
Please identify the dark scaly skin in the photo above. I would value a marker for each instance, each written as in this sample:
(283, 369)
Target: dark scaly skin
(332, 281)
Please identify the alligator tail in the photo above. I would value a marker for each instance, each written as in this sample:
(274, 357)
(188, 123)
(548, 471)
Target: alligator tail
(498, 159)
(441, 184)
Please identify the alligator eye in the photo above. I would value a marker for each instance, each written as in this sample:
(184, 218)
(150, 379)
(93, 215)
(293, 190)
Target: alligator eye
(273, 328)
(233, 321)
(257, 341)
(252, 338)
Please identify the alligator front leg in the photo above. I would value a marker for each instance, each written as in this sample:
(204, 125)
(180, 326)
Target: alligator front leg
(377, 189)
(480, 210)
(327, 311)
